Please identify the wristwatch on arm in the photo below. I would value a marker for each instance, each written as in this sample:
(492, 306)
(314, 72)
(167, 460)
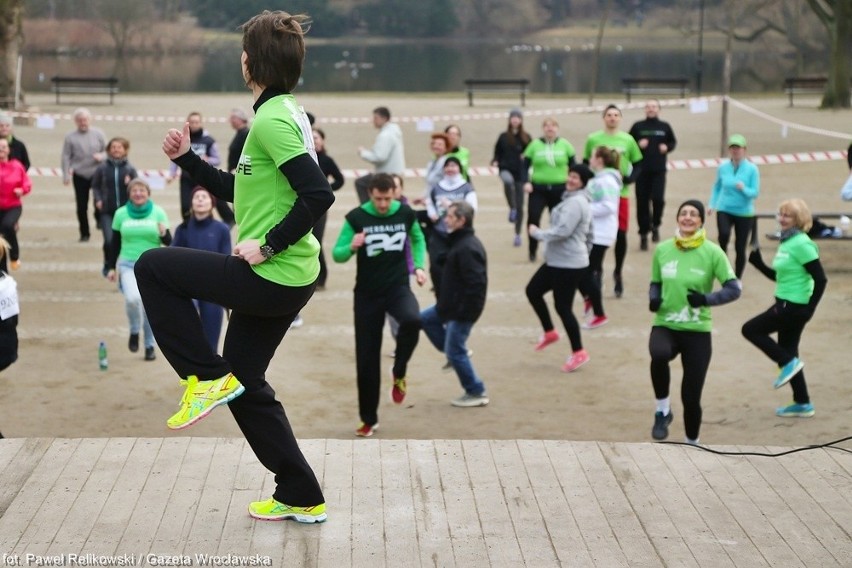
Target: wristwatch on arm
(267, 251)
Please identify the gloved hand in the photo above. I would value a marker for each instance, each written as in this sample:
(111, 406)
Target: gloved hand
(755, 258)
(654, 304)
(696, 299)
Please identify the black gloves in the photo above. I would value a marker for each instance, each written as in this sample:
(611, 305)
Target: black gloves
(696, 299)
(654, 304)
(755, 258)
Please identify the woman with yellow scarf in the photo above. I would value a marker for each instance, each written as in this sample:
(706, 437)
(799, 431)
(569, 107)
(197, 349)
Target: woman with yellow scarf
(681, 293)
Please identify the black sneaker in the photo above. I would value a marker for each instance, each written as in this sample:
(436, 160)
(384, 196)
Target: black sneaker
(619, 285)
(133, 342)
(643, 243)
(655, 234)
(149, 354)
(660, 431)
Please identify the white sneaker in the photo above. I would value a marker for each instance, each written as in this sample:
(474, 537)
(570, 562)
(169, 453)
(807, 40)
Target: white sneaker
(470, 400)
(298, 322)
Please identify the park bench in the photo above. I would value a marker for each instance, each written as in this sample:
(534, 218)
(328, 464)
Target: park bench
(804, 86)
(85, 85)
(655, 86)
(822, 215)
(514, 86)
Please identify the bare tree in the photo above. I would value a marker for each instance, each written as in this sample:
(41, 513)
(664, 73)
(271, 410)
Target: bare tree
(836, 16)
(596, 62)
(11, 37)
(123, 20)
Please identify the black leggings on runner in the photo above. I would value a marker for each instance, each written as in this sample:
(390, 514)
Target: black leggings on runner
(742, 227)
(695, 349)
(563, 282)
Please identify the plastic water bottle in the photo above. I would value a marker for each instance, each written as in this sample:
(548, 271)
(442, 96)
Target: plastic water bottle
(102, 356)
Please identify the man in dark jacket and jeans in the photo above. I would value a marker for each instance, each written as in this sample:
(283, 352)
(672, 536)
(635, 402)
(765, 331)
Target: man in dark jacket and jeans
(464, 283)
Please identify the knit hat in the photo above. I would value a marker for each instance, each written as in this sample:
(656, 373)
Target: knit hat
(452, 159)
(516, 112)
(694, 203)
(583, 171)
(737, 140)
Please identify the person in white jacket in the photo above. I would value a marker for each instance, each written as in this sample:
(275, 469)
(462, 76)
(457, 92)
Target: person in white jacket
(387, 154)
(603, 190)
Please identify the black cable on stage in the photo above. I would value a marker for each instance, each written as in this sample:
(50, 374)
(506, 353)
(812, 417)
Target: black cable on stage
(831, 445)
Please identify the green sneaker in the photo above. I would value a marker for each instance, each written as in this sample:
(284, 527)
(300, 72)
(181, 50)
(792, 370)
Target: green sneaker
(201, 397)
(272, 510)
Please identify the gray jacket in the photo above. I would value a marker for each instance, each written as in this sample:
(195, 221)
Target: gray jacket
(388, 152)
(569, 237)
(78, 153)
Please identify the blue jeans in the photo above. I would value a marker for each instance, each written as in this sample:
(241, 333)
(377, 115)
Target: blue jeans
(133, 301)
(451, 339)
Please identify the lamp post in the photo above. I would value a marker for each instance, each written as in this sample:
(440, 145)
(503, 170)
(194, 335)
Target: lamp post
(699, 67)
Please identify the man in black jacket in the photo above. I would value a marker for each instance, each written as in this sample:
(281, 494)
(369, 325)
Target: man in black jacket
(656, 139)
(464, 283)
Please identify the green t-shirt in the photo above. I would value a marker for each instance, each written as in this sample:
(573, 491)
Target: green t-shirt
(263, 196)
(679, 272)
(792, 281)
(549, 161)
(138, 235)
(623, 143)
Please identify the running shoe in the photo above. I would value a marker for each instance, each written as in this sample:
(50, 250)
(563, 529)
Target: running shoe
(513, 215)
(133, 342)
(366, 430)
(201, 397)
(549, 337)
(660, 431)
(398, 389)
(516, 242)
(15, 264)
(588, 310)
(595, 322)
(297, 322)
(272, 510)
(470, 400)
(787, 372)
(796, 410)
(575, 361)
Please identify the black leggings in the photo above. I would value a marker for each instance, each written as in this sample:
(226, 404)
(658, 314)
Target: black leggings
(788, 320)
(169, 278)
(742, 227)
(695, 349)
(82, 189)
(8, 228)
(650, 200)
(563, 282)
(542, 196)
(590, 285)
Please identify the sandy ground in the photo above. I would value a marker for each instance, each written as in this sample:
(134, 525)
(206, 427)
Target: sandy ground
(56, 389)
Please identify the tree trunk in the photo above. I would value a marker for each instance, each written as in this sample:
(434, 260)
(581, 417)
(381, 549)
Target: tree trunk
(837, 91)
(593, 83)
(10, 41)
(726, 82)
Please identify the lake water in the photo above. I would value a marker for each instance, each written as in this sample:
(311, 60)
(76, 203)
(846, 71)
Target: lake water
(411, 67)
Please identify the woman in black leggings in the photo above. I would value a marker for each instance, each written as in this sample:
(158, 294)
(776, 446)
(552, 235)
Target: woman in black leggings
(682, 275)
(799, 284)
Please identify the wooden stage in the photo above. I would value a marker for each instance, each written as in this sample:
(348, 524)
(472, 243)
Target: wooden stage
(402, 503)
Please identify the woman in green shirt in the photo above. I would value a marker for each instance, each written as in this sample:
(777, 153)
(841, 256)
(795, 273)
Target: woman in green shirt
(137, 226)
(549, 157)
(681, 293)
(799, 284)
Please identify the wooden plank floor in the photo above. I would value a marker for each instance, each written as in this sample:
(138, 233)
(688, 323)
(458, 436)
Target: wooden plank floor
(425, 503)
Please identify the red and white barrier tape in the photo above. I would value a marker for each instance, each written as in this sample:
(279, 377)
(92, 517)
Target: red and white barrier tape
(696, 164)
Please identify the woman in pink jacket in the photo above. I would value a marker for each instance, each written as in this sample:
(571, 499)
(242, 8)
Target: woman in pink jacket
(14, 184)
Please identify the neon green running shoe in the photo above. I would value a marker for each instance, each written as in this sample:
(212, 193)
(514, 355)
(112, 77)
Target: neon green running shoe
(272, 510)
(201, 397)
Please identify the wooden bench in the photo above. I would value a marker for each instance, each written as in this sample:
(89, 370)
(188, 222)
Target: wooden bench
(816, 215)
(804, 86)
(85, 85)
(655, 86)
(514, 86)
